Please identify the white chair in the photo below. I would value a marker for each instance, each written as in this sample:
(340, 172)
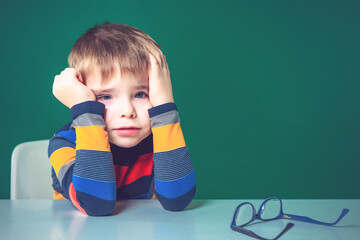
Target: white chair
(31, 171)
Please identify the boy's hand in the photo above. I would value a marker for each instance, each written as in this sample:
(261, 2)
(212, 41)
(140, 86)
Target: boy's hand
(69, 89)
(160, 90)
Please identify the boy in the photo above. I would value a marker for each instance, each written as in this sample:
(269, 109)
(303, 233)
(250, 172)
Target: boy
(124, 140)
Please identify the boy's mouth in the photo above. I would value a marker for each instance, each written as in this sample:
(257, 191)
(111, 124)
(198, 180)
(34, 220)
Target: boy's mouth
(126, 131)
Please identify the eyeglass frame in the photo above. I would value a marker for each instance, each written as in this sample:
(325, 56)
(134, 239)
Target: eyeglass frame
(281, 215)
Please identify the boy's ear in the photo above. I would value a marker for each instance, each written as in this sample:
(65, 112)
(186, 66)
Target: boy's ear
(79, 77)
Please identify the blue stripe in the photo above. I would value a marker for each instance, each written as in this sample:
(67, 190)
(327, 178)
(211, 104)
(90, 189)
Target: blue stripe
(177, 204)
(88, 107)
(56, 143)
(99, 189)
(68, 135)
(94, 206)
(176, 188)
(167, 107)
(142, 196)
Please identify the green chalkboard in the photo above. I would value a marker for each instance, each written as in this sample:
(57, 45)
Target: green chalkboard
(268, 91)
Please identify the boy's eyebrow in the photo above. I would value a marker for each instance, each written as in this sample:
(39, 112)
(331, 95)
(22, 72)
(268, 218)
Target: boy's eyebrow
(142, 87)
(102, 90)
(110, 89)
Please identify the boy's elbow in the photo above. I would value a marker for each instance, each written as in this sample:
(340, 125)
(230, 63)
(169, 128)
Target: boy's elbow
(101, 212)
(178, 203)
(93, 206)
(97, 211)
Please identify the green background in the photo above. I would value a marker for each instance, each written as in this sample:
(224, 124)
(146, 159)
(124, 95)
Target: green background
(268, 91)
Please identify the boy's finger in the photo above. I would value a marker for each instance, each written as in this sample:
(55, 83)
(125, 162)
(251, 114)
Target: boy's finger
(158, 59)
(165, 64)
(153, 62)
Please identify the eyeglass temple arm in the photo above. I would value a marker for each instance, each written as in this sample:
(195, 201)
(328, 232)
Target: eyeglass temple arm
(310, 220)
(288, 226)
(247, 232)
(252, 234)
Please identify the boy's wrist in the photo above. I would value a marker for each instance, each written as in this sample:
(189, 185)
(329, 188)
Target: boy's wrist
(163, 108)
(93, 107)
(161, 100)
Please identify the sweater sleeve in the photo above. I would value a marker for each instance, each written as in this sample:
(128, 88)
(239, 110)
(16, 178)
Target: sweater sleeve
(175, 179)
(82, 161)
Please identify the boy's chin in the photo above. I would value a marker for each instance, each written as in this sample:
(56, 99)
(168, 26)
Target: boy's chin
(127, 142)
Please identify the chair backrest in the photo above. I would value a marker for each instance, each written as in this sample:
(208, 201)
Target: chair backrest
(31, 171)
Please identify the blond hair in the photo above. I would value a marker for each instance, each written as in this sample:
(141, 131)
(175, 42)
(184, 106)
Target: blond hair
(106, 47)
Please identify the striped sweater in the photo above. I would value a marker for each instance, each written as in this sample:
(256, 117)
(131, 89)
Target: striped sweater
(93, 174)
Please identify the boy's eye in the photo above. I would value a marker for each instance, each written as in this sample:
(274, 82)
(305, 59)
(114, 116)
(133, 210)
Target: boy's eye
(103, 97)
(140, 95)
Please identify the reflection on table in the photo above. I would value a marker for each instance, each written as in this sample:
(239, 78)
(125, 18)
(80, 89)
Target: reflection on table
(146, 219)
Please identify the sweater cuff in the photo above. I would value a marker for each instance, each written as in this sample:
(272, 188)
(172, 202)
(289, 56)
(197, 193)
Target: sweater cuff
(88, 107)
(167, 107)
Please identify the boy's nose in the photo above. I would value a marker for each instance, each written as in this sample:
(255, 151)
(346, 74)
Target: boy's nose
(126, 110)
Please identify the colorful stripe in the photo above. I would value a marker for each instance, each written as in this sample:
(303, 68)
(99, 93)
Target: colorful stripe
(64, 170)
(158, 110)
(89, 119)
(168, 137)
(174, 173)
(93, 173)
(62, 157)
(128, 174)
(177, 204)
(92, 137)
(90, 161)
(165, 119)
(72, 194)
(68, 135)
(176, 188)
(88, 107)
(141, 186)
(169, 167)
(99, 189)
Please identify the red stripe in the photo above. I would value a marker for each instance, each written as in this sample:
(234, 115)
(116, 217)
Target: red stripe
(76, 203)
(120, 173)
(142, 167)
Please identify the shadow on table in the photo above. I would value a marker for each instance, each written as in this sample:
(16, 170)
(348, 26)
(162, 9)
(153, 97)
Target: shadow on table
(195, 204)
(121, 205)
(348, 226)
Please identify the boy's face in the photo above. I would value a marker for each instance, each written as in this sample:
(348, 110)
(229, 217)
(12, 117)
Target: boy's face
(127, 102)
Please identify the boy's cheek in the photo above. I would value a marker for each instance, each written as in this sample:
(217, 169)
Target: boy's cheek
(144, 105)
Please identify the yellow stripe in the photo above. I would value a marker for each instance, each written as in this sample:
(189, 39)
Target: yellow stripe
(168, 137)
(92, 138)
(58, 196)
(61, 157)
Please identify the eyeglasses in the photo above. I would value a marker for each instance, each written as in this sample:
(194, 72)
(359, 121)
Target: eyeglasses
(270, 209)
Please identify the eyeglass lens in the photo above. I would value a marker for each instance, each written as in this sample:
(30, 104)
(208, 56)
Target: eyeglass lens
(245, 214)
(270, 209)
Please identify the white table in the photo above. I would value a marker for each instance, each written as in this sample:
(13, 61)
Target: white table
(146, 219)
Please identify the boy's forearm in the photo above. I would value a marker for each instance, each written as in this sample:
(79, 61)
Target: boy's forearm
(89, 182)
(174, 173)
(93, 176)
